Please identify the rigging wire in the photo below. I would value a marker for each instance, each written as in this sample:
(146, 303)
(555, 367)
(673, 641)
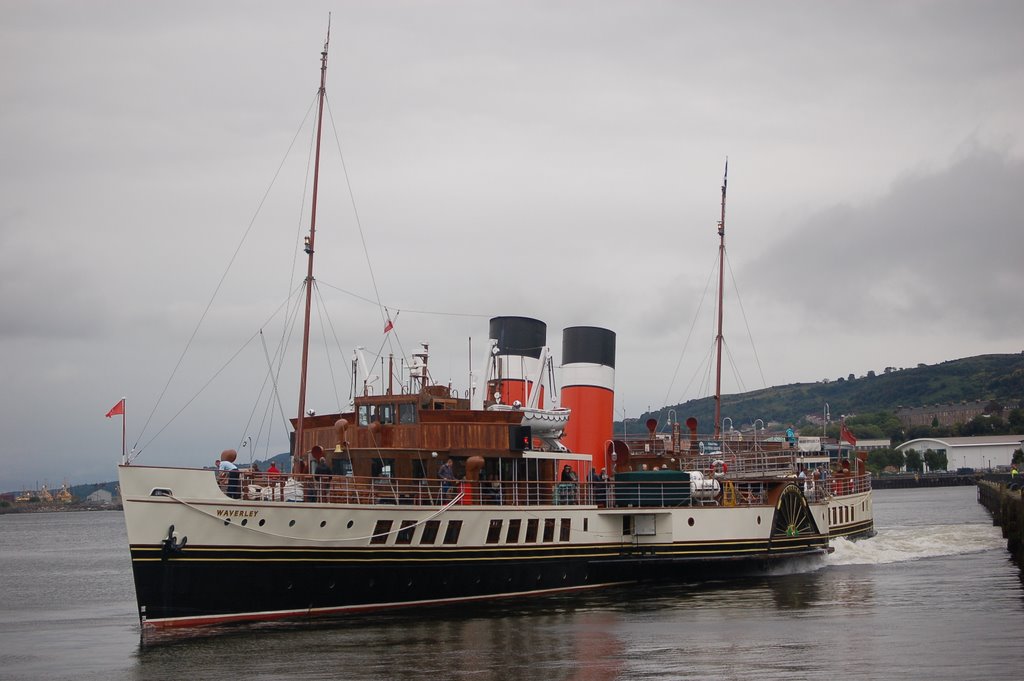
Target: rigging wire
(321, 313)
(337, 343)
(746, 322)
(300, 222)
(273, 397)
(273, 377)
(355, 208)
(689, 335)
(397, 310)
(136, 450)
(706, 363)
(194, 397)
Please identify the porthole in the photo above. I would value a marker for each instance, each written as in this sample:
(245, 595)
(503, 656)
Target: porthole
(323, 523)
(245, 521)
(349, 525)
(228, 521)
(690, 522)
(291, 523)
(263, 521)
(758, 520)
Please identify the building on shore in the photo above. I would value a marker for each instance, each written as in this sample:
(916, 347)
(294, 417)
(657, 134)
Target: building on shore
(987, 452)
(101, 496)
(940, 414)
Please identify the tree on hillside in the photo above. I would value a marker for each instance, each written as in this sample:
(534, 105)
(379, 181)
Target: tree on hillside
(983, 424)
(1016, 419)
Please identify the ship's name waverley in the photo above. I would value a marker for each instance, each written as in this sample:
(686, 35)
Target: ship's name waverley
(236, 513)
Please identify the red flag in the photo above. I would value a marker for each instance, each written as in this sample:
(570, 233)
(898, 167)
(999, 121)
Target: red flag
(116, 409)
(845, 434)
(390, 325)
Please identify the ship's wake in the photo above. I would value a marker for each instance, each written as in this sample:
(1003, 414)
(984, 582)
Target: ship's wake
(897, 545)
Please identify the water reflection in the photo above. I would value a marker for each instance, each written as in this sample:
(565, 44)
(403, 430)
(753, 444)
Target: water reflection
(547, 639)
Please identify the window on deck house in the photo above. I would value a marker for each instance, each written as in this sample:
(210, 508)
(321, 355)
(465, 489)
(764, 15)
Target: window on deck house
(549, 529)
(451, 533)
(531, 530)
(407, 413)
(430, 531)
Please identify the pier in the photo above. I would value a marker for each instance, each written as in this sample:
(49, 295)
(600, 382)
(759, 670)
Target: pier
(911, 481)
(1007, 509)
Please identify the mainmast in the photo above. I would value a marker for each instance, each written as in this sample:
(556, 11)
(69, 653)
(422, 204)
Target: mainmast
(721, 286)
(310, 242)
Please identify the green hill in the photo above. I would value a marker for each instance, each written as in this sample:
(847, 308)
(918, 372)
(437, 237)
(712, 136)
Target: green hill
(997, 379)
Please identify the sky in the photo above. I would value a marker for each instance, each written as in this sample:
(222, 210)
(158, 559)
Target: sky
(555, 160)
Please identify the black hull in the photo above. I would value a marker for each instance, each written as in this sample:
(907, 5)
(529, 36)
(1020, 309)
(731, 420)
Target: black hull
(862, 530)
(208, 586)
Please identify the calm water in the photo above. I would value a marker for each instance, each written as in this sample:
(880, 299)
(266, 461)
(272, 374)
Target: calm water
(934, 596)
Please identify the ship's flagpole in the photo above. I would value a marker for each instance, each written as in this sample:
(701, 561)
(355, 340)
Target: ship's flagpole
(119, 410)
(299, 449)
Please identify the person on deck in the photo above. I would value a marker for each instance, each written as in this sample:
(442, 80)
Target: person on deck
(230, 472)
(602, 488)
(274, 480)
(447, 477)
(566, 492)
(323, 479)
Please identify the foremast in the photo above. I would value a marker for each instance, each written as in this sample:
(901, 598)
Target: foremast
(309, 247)
(721, 286)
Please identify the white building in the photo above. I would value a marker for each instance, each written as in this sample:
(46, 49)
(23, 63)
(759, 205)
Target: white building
(100, 496)
(980, 453)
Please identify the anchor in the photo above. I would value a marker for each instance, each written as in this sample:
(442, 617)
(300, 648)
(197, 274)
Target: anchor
(170, 546)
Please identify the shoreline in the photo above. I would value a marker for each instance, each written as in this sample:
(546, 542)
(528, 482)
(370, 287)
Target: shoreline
(55, 508)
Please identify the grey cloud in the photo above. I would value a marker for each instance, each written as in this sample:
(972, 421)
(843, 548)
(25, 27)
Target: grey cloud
(939, 249)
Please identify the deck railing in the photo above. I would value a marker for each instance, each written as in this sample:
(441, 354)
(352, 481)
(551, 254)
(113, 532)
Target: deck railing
(347, 489)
